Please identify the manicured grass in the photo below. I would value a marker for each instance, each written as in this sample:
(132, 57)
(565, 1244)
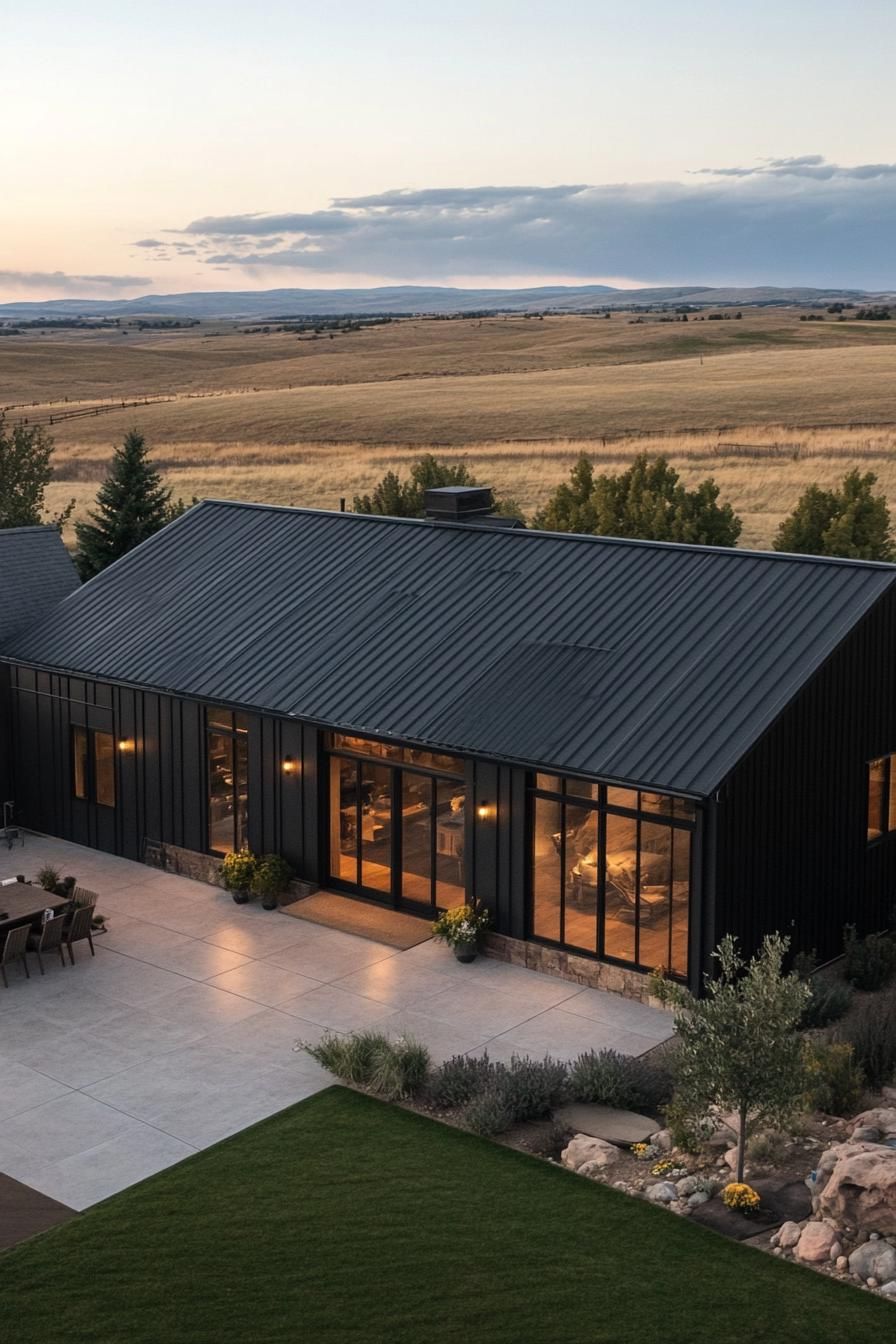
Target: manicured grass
(345, 1219)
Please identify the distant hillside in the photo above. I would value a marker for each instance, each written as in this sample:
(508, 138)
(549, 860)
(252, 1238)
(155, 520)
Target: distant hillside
(270, 303)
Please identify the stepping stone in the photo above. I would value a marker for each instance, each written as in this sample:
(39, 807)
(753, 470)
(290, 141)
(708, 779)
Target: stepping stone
(604, 1122)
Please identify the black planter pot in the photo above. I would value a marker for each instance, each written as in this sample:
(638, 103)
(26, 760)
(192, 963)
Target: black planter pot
(466, 952)
(241, 897)
(269, 902)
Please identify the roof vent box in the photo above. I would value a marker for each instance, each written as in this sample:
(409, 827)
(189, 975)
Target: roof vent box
(456, 503)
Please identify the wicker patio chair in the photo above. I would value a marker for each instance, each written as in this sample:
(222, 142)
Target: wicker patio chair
(15, 948)
(79, 928)
(50, 937)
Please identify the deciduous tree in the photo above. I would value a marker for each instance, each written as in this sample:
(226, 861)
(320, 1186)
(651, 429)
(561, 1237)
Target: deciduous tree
(26, 469)
(739, 1046)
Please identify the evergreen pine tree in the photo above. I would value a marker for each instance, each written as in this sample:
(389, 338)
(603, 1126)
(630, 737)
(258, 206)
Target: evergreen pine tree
(131, 505)
(851, 522)
(404, 499)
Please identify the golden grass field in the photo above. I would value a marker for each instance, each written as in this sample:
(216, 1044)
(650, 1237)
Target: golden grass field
(766, 404)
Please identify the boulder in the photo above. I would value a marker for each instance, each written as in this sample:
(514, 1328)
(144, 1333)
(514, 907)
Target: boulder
(860, 1191)
(697, 1198)
(730, 1159)
(788, 1235)
(816, 1243)
(687, 1185)
(874, 1260)
(662, 1140)
(663, 1192)
(881, 1118)
(867, 1134)
(606, 1122)
(584, 1148)
(889, 1289)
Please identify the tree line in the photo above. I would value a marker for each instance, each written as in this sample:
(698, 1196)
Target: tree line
(647, 500)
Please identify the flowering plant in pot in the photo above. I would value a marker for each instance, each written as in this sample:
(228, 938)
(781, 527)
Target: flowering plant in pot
(461, 928)
(237, 872)
(269, 879)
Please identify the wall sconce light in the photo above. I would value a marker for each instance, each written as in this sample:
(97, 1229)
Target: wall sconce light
(484, 810)
(289, 765)
(125, 744)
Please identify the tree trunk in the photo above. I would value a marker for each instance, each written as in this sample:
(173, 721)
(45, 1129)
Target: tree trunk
(741, 1140)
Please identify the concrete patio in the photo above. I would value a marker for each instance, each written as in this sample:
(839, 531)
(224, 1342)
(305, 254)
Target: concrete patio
(182, 1029)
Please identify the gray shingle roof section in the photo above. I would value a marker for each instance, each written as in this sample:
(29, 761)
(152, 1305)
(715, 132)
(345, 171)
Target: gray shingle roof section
(634, 661)
(36, 573)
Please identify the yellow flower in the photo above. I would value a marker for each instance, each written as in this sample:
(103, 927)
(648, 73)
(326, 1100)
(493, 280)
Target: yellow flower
(738, 1195)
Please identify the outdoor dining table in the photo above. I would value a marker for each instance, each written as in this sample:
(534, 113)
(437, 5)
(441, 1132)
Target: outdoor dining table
(20, 903)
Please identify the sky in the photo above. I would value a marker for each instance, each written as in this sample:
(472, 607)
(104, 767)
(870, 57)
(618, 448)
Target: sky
(185, 146)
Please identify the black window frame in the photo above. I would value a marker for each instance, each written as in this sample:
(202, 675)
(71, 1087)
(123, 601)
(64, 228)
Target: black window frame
(682, 816)
(237, 729)
(889, 781)
(89, 736)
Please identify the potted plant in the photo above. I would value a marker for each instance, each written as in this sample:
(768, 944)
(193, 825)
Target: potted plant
(48, 878)
(269, 879)
(237, 872)
(461, 928)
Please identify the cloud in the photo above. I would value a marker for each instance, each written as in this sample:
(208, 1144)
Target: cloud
(149, 242)
(61, 280)
(787, 220)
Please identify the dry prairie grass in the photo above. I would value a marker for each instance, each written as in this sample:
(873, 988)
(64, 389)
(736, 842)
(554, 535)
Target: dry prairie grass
(762, 470)
(286, 420)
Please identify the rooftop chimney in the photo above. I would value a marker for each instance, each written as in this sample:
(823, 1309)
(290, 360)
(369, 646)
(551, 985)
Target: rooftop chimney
(457, 503)
(468, 504)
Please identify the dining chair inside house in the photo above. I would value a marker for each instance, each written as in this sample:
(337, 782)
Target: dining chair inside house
(15, 948)
(49, 939)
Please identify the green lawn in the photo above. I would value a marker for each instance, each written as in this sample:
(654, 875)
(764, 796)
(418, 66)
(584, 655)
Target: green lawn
(346, 1219)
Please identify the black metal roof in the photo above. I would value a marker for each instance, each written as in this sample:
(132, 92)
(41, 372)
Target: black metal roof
(36, 572)
(635, 661)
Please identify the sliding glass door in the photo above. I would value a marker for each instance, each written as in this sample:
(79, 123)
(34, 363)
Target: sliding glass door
(397, 824)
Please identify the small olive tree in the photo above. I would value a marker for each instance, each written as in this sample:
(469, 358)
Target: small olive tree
(740, 1048)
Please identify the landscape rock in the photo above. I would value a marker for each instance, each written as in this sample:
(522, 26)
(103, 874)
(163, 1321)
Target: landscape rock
(860, 1191)
(881, 1118)
(842, 1262)
(788, 1235)
(663, 1192)
(697, 1198)
(889, 1288)
(816, 1243)
(662, 1140)
(687, 1185)
(606, 1122)
(584, 1148)
(867, 1134)
(874, 1260)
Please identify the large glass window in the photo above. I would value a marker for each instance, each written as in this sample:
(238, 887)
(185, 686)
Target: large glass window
(611, 871)
(93, 766)
(881, 797)
(227, 737)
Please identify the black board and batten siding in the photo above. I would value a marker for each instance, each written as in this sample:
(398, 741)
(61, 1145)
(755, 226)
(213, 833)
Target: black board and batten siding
(792, 848)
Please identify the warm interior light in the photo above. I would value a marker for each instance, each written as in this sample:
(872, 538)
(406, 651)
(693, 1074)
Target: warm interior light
(125, 744)
(483, 811)
(289, 765)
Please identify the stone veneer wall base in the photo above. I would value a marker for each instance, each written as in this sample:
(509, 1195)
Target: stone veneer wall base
(207, 868)
(568, 966)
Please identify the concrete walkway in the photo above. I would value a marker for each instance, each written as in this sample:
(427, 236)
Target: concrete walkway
(182, 1029)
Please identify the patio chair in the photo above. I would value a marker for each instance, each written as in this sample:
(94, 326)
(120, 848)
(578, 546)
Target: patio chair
(15, 948)
(81, 896)
(50, 937)
(79, 928)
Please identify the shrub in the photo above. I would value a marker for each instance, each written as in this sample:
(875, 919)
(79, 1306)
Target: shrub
(48, 878)
(524, 1089)
(612, 1079)
(835, 1079)
(689, 1131)
(871, 1033)
(804, 964)
(462, 924)
(766, 1149)
(829, 1002)
(868, 963)
(459, 1079)
(270, 876)
(489, 1114)
(394, 1070)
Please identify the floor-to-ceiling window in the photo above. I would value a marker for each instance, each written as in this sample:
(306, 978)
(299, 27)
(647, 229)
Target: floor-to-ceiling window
(610, 871)
(396, 822)
(227, 753)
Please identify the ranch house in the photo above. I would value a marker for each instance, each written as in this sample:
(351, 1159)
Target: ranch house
(624, 749)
